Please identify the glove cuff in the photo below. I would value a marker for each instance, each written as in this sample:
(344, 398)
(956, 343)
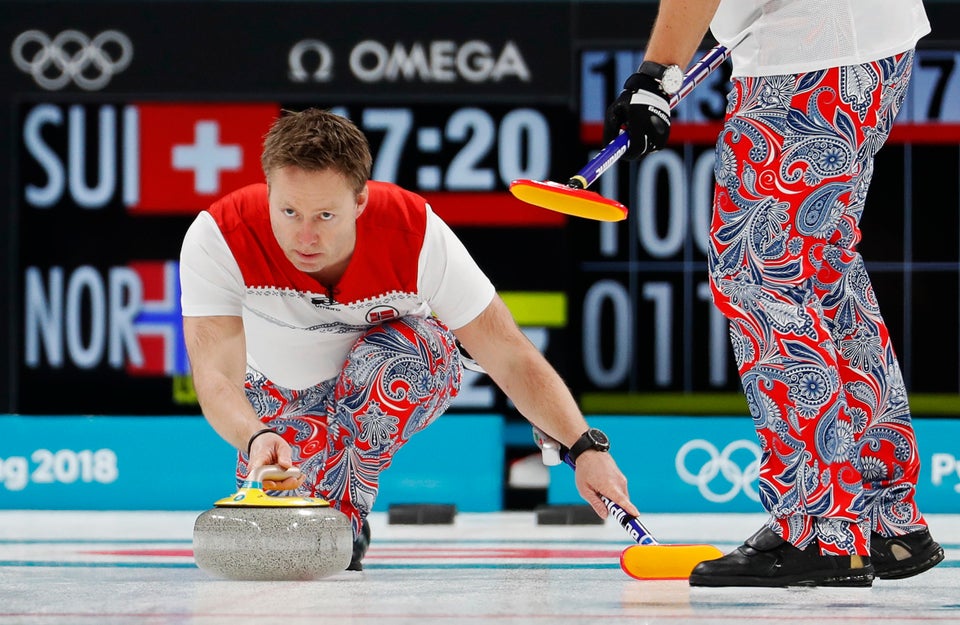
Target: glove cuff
(654, 100)
(643, 82)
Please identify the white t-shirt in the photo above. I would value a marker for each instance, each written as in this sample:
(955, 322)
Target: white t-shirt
(797, 36)
(407, 262)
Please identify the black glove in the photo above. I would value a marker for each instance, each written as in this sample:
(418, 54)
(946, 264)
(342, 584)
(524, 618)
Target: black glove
(644, 110)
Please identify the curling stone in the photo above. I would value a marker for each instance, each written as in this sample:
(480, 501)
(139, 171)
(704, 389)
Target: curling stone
(254, 536)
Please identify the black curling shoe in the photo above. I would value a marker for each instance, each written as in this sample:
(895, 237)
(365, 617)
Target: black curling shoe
(897, 557)
(767, 560)
(360, 545)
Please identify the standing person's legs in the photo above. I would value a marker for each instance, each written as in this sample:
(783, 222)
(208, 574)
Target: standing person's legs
(794, 163)
(787, 166)
(818, 369)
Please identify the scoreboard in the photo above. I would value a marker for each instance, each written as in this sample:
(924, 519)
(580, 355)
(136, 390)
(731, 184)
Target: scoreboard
(125, 119)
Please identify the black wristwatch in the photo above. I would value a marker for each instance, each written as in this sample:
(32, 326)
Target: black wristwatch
(669, 77)
(591, 439)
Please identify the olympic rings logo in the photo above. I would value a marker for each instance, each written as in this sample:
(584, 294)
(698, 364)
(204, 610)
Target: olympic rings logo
(72, 56)
(719, 463)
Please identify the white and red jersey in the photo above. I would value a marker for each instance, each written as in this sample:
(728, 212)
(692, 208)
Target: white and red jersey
(406, 261)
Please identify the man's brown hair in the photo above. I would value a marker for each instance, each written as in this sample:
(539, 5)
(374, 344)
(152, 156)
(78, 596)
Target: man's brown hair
(315, 140)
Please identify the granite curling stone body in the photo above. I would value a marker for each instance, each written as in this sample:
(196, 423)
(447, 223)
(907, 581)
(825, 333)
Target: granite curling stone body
(254, 536)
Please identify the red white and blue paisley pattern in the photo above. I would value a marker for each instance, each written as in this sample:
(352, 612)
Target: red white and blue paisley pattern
(820, 375)
(398, 378)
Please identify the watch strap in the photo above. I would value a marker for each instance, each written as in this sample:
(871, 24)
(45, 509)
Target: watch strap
(581, 445)
(656, 71)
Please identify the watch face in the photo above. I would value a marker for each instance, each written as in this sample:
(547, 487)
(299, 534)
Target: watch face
(672, 79)
(599, 438)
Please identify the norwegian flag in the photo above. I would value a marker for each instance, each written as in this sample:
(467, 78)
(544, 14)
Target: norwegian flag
(159, 326)
(381, 314)
(191, 154)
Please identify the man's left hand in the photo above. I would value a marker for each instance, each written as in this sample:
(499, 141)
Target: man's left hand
(643, 110)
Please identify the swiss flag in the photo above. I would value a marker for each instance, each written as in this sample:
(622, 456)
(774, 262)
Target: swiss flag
(191, 154)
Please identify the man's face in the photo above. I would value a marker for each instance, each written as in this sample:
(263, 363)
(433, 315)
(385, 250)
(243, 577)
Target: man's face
(314, 218)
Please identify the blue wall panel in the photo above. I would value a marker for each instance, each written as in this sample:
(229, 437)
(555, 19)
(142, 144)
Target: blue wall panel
(179, 463)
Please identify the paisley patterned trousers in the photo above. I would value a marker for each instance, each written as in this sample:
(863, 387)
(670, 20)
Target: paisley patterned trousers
(397, 379)
(822, 382)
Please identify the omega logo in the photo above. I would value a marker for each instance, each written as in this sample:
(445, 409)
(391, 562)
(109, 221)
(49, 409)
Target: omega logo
(310, 51)
(371, 61)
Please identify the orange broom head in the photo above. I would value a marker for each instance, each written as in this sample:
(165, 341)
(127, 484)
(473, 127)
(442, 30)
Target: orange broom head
(665, 561)
(564, 199)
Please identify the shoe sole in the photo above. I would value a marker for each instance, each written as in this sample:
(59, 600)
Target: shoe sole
(810, 579)
(910, 570)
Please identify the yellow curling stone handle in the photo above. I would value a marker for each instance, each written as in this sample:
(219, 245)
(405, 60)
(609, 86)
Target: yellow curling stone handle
(252, 495)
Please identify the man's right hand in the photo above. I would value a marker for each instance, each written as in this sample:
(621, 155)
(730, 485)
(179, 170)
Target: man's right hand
(271, 448)
(643, 110)
(597, 474)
